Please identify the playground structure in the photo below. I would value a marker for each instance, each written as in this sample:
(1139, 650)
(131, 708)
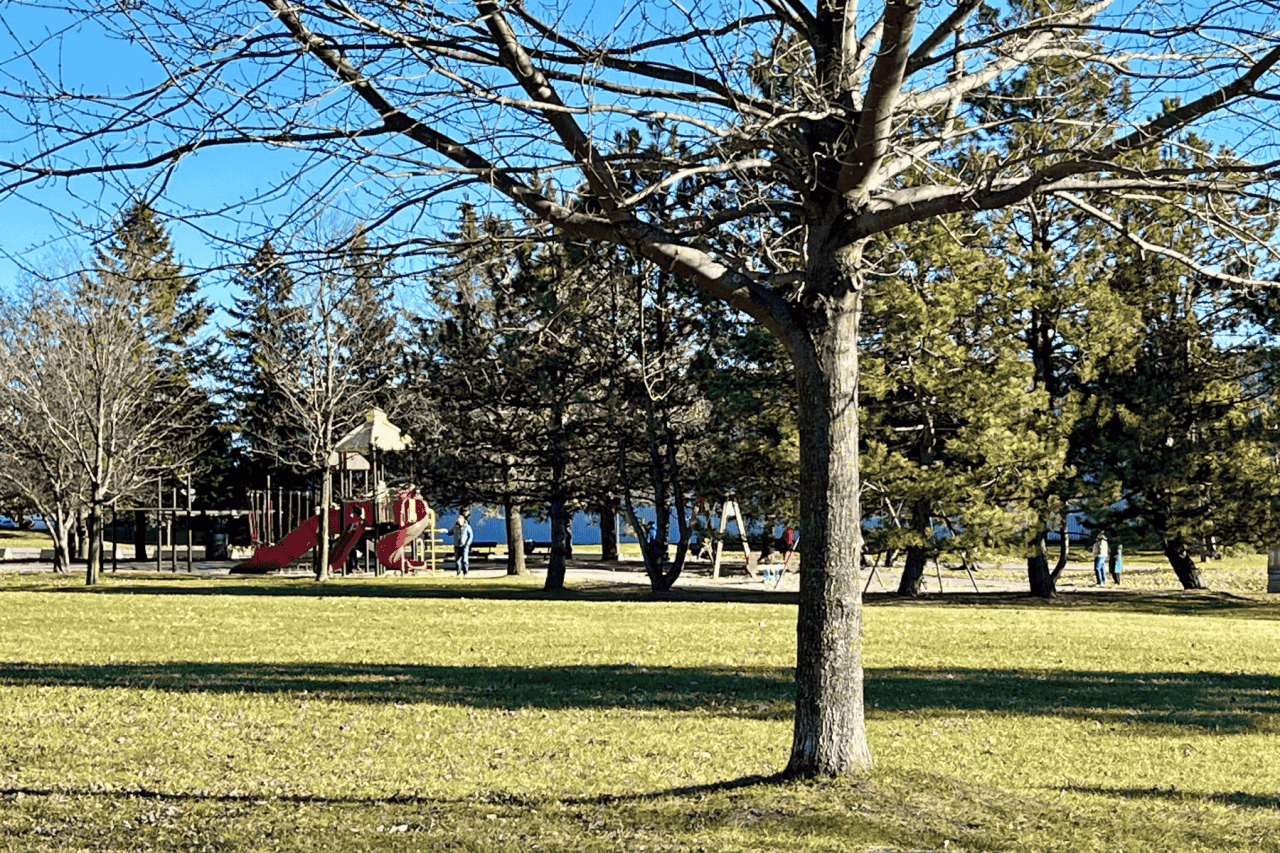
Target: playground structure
(174, 502)
(371, 525)
(390, 529)
(730, 511)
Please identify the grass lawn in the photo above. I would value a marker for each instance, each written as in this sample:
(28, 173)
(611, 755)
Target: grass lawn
(180, 713)
(25, 539)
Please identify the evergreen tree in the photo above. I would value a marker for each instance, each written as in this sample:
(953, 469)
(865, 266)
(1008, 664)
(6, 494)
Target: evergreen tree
(140, 252)
(510, 373)
(1176, 440)
(265, 310)
(953, 450)
(311, 372)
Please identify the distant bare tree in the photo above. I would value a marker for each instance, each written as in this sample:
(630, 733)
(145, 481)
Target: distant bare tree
(91, 408)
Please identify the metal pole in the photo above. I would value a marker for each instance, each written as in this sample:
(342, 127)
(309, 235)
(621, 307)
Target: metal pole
(114, 562)
(188, 524)
(159, 523)
(173, 533)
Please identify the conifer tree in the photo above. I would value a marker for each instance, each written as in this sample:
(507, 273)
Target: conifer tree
(264, 310)
(1176, 435)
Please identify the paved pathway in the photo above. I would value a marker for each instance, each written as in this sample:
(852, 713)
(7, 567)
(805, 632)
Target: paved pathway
(1077, 577)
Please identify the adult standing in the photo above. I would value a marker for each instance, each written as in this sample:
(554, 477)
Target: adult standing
(1100, 559)
(462, 537)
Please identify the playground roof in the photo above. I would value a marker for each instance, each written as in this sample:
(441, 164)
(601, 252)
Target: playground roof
(377, 432)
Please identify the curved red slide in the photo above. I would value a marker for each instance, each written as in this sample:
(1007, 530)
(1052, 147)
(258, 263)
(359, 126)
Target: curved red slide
(345, 542)
(390, 548)
(300, 540)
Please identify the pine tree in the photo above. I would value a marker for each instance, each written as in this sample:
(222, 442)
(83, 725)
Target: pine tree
(265, 312)
(953, 450)
(1176, 438)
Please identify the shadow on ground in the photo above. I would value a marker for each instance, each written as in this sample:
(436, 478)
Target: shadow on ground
(1213, 701)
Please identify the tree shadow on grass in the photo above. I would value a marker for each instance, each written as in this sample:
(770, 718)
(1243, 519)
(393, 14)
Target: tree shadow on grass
(761, 692)
(1214, 702)
(1171, 793)
(1206, 701)
(1172, 603)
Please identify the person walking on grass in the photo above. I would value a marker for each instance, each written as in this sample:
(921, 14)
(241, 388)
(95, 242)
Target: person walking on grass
(462, 537)
(1100, 559)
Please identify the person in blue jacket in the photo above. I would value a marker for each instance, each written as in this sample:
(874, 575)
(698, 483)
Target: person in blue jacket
(462, 538)
(1117, 564)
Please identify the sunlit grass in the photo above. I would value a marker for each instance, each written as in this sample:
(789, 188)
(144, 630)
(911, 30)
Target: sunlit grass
(422, 713)
(25, 539)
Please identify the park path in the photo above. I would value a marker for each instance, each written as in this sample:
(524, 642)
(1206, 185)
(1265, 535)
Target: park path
(1076, 577)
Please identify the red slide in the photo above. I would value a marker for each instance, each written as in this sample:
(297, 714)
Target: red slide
(344, 543)
(273, 558)
(390, 549)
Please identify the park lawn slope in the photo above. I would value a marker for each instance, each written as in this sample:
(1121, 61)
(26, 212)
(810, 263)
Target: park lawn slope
(412, 714)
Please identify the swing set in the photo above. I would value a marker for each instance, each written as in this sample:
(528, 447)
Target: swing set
(729, 511)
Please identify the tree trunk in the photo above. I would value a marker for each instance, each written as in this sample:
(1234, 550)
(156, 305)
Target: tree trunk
(556, 504)
(559, 551)
(82, 534)
(60, 533)
(140, 535)
(515, 540)
(1184, 565)
(830, 730)
(1064, 554)
(326, 498)
(912, 583)
(609, 532)
(1040, 579)
(92, 539)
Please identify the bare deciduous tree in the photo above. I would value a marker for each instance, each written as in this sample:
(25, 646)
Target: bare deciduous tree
(91, 408)
(801, 131)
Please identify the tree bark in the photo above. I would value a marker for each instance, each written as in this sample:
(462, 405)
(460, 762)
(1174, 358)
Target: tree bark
(609, 532)
(60, 532)
(556, 504)
(93, 540)
(322, 549)
(912, 583)
(1184, 565)
(1039, 577)
(82, 534)
(515, 540)
(559, 536)
(829, 737)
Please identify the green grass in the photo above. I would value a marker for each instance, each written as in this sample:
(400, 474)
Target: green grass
(179, 713)
(25, 539)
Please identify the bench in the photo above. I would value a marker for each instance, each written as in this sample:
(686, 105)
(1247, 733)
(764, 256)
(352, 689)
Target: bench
(532, 547)
(484, 549)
